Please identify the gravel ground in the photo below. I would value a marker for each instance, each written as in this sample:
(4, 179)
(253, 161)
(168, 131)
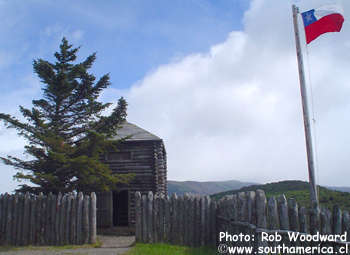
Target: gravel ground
(111, 245)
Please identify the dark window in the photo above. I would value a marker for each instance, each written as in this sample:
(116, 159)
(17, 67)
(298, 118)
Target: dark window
(119, 156)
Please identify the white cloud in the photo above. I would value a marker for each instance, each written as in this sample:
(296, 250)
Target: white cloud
(235, 112)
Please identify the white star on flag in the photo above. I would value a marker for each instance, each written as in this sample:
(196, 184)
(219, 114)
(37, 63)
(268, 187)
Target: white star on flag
(308, 17)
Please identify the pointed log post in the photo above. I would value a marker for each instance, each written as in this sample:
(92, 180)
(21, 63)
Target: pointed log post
(80, 218)
(52, 218)
(36, 227)
(282, 206)
(138, 215)
(337, 220)
(144, 219)
(48, 220)
(283, 212)
(261, 211)
(4, 219)
(26, 214)
(207, 202)
(167, 219)
(161, 218)
(18, 235)
(251, 207)
(93, 226)
(174, 218)
(203, 221)
(150, 218)
(9, 229)
(233, 213)
(32, 220)
(180, 209)
(73, 217)
(293, 219)
(272, 216)
(156, 219)
(40, 214)
(261, 221)
(213, 207)
(186, 218)
(272, 222)
(346, 224)
(57, 218)
(197, 220)
(67, 218)
(43, 222)
(86, 226)
(62, 219)
(303, 220)
(242, 206)
(191, 217)
(17, 228)
(293, 214)
(2, 216)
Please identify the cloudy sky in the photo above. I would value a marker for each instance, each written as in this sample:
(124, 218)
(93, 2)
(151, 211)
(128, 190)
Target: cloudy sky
(217, 80)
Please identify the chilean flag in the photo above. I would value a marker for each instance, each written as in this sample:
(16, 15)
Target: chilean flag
(322, 20)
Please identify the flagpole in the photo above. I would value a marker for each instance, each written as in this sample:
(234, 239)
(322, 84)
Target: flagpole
(307, 128)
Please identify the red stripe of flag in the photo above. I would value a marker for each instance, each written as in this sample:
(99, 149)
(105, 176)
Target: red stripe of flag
(329, 23)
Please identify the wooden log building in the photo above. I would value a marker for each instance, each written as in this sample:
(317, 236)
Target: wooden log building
(142, 154)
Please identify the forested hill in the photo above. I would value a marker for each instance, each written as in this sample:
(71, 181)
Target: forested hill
(298, 190)
(204, 188)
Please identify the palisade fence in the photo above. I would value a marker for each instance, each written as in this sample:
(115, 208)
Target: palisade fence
(47, 220)
(197, 221)
(251, 213)
(188, 220)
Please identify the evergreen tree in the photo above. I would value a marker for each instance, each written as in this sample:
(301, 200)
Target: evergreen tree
(65, 130)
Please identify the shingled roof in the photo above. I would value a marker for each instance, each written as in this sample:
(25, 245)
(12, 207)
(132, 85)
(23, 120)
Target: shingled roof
(136, 133)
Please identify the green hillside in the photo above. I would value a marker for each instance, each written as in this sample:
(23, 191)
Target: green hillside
(204, 188)
(298, 190)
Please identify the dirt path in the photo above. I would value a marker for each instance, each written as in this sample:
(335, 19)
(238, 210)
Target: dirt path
(117, 241)
(111, 245)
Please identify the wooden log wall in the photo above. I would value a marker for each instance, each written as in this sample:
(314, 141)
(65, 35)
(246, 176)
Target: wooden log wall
(148, 163)
(280, 213)
(188, 220)
(276, 214)
(47, 220)
(197, 221)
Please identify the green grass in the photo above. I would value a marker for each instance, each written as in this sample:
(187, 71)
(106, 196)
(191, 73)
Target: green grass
(165, 249)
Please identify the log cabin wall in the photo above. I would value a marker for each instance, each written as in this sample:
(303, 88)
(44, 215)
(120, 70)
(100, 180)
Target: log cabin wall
(142, 154)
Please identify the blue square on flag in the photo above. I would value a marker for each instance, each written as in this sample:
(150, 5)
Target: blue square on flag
(309, 17)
